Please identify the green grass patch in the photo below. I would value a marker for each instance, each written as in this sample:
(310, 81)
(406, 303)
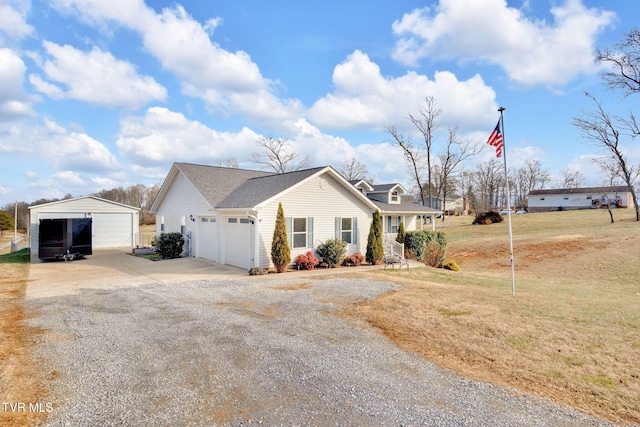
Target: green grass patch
(20, 257)
(152, 257)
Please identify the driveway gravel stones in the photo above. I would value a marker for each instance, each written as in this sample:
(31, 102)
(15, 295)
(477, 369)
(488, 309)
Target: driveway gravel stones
(241, 352)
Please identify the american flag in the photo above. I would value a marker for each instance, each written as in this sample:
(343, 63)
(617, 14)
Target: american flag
(495, 140)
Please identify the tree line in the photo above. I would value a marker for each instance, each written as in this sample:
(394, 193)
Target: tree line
(140, 195)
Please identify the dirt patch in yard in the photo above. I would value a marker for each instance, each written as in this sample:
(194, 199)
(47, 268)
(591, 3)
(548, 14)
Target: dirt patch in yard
(24, 398)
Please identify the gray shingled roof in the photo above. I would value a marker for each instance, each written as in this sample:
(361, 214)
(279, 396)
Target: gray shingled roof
(405, 206)
(258, 189)
(217, 183)
(383, 187)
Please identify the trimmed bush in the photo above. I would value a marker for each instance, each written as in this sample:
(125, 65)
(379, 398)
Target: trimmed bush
(280, 252)
(451, 265)
(415, 242)
(168, 245)
(375, 247)
(353, 260)
(307, 261)
(332, 251)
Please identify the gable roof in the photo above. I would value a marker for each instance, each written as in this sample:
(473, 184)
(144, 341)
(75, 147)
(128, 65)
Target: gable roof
(384, 188)
(207, 181)
(99, 199)
(584, 190)
(256, 190)
(228, 188)
(360, 183)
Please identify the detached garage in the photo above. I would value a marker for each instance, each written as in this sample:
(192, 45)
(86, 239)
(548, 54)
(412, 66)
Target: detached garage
(112, 224)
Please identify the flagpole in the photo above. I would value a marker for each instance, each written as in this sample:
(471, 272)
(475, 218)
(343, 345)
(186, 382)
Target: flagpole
(506, 178)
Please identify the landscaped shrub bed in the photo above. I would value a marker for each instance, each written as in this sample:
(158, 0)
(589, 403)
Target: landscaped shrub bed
(415, 242)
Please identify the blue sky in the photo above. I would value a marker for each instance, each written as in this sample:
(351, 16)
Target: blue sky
(97, 94)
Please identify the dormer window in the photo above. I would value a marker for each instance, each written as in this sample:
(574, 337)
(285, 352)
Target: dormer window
(395, 198)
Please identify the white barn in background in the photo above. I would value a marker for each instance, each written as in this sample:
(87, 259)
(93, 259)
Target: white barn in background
(579, 198)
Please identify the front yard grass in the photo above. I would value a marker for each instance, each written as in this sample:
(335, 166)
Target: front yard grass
(571, 332)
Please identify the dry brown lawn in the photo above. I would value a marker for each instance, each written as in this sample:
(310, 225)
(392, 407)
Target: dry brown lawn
(571, 333)
(22, 377)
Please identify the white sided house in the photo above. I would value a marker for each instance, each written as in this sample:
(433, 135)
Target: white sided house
(396, 207)
(114, 225)
(579, 198)
(229, 214)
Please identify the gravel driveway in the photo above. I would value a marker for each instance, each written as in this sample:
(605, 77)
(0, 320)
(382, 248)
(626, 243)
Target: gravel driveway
(239, 352)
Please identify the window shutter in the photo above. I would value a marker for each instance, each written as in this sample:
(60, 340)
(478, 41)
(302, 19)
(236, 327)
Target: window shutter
(288, 222)
(310, 232)
(338, 227)
(354, 231)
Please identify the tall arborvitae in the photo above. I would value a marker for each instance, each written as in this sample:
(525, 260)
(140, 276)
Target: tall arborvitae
(280, 252)
(375, 248)
(401, 233)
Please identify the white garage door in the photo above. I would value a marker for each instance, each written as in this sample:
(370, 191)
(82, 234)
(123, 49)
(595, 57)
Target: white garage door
(111, 230)
(238, 243)
(207, 237)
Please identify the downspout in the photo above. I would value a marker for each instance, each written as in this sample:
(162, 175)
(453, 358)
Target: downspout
(255, 258)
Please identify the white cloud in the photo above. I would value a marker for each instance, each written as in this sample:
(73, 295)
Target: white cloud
(69, 179)
(365, 98)
(14, 103)
(96, 77)
(226, 81)
(57, 147)
(530, 51)
(13, 20)
(163, 136)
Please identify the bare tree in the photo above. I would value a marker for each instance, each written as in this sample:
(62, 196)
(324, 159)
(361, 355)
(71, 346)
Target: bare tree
(624, 73)
(277, 156)
(603, 130)
(529, 177)
(230, 163)
(412, 157)
(489, 177)
(450, 159)
(571, 179)
(420, 159)
(354, 170)
(425, 122)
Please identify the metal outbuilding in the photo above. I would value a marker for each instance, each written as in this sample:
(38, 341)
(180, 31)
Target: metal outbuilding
(112, 224)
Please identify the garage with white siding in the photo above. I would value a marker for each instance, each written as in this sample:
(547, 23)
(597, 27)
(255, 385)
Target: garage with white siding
(114, 225)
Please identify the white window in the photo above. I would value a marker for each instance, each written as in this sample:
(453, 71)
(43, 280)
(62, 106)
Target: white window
(300, 232)
(204, 219)
(393, 222)
(244, 220)
(347, 229)
(394, 196)
(233, 220)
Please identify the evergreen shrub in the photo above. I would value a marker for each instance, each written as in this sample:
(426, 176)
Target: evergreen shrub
(332, 251)
(169, 245)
